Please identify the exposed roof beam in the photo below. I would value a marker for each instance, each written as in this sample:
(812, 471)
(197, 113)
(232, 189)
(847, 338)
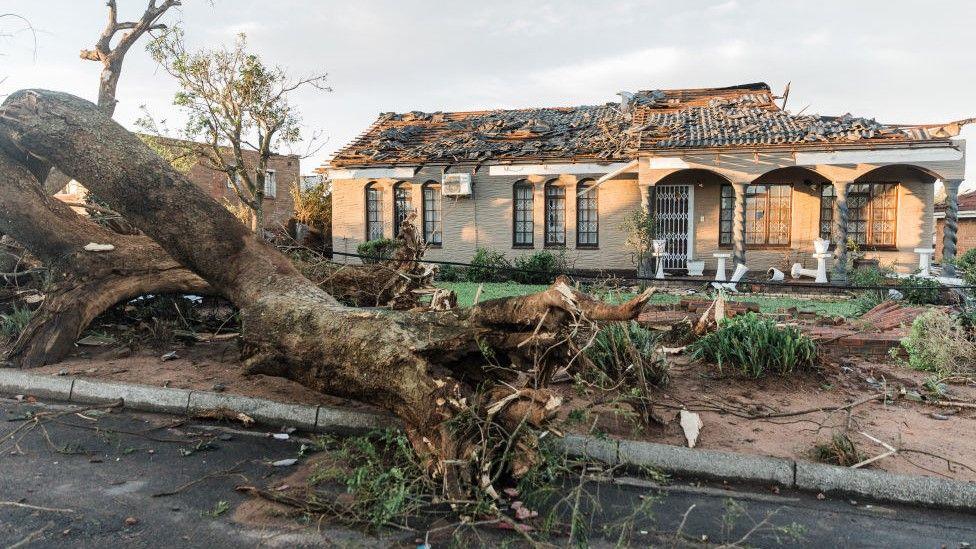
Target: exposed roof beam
(575, 168)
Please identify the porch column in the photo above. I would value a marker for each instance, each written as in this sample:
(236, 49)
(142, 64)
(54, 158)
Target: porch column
(951, 227)
(841, 216)
(646, 266)
(739, 224)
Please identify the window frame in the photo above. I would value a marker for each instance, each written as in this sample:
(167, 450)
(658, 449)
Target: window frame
(728, 214)
(435, 188)
(270, 178)
(548, 207)
(524, 185)
(401, 211)
(592, 198)
(869, 219)
(369, 190)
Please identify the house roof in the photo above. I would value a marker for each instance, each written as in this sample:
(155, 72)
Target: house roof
(967, 203)
(651, 120)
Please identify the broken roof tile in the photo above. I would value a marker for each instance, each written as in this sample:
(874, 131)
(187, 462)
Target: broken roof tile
(705, 118)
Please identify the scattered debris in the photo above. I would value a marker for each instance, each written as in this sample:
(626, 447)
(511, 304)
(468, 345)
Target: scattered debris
(95, 247)
(170, 356)
(97, 341)
(285, 462)
(691, 424)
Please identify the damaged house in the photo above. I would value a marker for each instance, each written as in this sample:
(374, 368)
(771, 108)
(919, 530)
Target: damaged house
(723, 170)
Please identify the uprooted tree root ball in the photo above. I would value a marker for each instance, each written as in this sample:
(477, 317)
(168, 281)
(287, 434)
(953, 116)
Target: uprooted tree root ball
(422, 365)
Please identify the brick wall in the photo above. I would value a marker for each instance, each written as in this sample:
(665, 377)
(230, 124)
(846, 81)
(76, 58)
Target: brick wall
(485, 218)
(966, 236)
(277, 210)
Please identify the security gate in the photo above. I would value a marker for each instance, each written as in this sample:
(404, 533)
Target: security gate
(674, 220)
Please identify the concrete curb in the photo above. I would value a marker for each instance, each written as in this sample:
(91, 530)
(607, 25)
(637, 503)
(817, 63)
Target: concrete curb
(801, 475)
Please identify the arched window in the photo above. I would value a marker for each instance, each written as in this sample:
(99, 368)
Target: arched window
(587, 215)
(402, 204)
(523, 227)
(374, 212)
(555, 210)
(433, 234)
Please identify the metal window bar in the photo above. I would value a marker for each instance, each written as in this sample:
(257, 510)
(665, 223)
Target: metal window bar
(432, 215)
(555, 210)
(672, 220)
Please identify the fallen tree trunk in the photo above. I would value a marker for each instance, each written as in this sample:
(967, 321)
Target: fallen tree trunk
(81, 283)
(419, 365)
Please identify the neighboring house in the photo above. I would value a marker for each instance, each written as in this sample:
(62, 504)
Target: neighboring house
(967, 224)
(724, 170)
(283, 173)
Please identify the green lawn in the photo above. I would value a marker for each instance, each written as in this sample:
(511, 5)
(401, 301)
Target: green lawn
(840, 307)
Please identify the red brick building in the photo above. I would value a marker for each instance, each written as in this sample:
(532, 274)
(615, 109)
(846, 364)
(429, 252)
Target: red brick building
(279, 206)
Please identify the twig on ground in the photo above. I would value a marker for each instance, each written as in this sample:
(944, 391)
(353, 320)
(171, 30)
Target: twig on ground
(215, 474)
(34, 507)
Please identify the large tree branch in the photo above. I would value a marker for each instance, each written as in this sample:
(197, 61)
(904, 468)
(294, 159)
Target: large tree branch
(417, 365)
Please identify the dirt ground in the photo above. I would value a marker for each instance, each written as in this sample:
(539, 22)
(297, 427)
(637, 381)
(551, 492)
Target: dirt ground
(921, 431)
(204, 366)
(906, 424)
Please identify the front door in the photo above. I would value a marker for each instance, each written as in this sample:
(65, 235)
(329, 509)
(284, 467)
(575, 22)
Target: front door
(674, 220)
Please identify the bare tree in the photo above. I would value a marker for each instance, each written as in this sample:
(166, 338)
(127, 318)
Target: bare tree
(421, 365)
(111, 55)
(239, 111)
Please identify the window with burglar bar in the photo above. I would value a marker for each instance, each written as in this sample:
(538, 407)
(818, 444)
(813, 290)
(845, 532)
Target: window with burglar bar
(768, 215)
(402, 204)
(555, 214)
(523, 226)
(374, 212)
(587, 216)
(872, 213)
(432, 213)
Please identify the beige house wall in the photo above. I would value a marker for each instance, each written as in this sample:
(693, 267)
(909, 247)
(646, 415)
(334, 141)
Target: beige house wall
(485, 218)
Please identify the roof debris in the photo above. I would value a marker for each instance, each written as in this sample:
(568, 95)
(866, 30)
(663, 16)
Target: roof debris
(707, 118)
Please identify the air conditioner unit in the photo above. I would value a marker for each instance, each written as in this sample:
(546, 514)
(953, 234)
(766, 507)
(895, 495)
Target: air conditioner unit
(456, 184)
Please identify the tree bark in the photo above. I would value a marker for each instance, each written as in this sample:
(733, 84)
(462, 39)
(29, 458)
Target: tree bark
(81, 284)
(419, 365)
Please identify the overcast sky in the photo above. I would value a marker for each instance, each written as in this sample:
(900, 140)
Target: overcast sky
(897, 61)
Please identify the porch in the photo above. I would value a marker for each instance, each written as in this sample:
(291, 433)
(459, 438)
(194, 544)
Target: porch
(770, 215)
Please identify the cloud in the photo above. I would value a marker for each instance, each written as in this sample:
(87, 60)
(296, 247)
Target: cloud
(602, 76)
(246, 27)
(723, 8)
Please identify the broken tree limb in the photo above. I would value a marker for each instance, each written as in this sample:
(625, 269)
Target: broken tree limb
(398, 360)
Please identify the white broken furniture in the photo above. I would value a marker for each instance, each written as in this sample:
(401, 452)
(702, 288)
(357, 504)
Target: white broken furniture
(925, 261)
(658, 254)
(819, 274)
(696, 267)
(720, 268)
(775, 275)
(740, 271)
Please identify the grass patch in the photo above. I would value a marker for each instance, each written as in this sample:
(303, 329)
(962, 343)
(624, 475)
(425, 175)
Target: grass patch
(755, 346)
(14, 322)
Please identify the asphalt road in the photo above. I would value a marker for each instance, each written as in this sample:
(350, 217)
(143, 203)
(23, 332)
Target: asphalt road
(88, 481)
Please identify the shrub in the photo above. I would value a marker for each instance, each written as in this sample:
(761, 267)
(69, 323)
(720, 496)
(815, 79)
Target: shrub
(450, 273)
(755, 346)
(544, 267)
(376, 250)
(966, 266)
(627, 349)
(868, 299)
(489, 266)
(939, 343)
(920, 291)
(12, 323)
